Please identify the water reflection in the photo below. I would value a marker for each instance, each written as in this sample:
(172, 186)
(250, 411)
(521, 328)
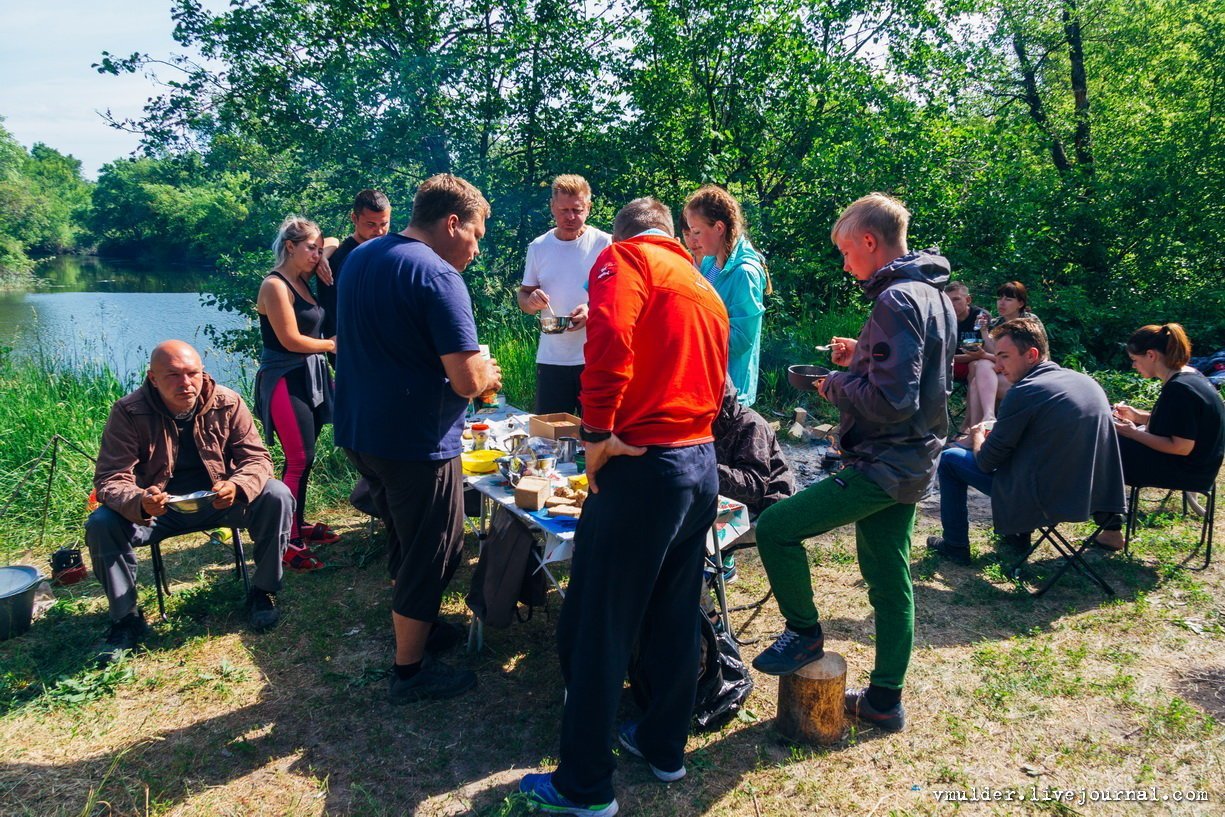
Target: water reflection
(95, 312)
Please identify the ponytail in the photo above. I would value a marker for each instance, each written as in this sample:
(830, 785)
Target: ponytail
(1169, 340)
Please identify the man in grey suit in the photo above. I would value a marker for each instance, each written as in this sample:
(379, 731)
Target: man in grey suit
(1051, 457)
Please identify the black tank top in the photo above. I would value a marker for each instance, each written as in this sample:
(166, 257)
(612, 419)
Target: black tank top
(308, 315)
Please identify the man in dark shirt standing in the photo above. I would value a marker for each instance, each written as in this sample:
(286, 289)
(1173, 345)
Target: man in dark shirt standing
(371, 218)
(409, 362)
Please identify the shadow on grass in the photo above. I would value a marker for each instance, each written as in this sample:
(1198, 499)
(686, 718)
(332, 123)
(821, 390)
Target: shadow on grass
(323, 703)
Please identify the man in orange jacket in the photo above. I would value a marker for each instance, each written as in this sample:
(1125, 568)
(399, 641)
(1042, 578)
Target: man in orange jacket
(656, 358)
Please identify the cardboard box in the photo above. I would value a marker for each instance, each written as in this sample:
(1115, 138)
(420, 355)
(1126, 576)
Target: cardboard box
(553, 426)
(531, 493)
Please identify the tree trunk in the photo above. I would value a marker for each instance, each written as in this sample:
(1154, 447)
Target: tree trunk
(811, 702)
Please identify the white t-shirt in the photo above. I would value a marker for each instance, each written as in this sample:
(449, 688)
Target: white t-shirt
(560, 268)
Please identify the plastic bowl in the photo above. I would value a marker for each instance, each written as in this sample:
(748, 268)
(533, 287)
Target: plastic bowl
(806, 378)
(190, 503)
(554, 324)
(17, 586)
(483, 461)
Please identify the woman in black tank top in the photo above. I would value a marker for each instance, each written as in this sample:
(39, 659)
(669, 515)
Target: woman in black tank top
(294, 385)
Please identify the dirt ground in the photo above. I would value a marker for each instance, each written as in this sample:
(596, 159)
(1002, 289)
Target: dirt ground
(1066, 698)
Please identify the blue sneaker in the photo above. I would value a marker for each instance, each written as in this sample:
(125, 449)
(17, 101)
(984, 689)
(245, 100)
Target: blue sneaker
(628, 736)
(789, 652)
(543, 797)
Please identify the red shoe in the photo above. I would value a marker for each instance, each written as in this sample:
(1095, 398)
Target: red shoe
(318, 534)
(299, 559)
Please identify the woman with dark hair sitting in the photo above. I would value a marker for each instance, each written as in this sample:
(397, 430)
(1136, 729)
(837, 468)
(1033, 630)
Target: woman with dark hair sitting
(1181, 442)
(1012, 301)
(1178, 445)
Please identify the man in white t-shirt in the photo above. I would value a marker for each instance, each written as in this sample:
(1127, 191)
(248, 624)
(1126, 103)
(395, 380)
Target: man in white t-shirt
(555, 279)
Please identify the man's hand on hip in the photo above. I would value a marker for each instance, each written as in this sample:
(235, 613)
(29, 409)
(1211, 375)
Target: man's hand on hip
(227, 492)
(599, 453)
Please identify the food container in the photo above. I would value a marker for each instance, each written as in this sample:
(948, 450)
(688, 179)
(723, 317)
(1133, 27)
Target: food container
(484, 461)
(190, 503)
(480, 436)
(553, 426)
(531, 493)
(806, 378)
(17, 586)
(554, 324)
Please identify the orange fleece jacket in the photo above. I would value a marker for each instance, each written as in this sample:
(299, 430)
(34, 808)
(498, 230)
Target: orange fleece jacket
(656, 351)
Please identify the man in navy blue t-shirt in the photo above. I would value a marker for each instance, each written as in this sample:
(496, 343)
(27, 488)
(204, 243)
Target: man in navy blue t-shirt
(407, 365)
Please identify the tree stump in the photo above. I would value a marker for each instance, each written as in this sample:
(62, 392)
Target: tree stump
(811, 702)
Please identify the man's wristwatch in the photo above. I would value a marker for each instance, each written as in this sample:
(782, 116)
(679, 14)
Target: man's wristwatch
(589, 436)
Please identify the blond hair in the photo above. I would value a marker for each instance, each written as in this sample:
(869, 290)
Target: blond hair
(876, 213)
(443, 195)
(571, 184)
(295, 229)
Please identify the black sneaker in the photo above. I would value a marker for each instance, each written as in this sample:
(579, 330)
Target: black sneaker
(940, 546)
(261, 607)
(125, 635)
(1015, 541)
(789, 652)
(858, 706)
(443, 636)
(435, 680)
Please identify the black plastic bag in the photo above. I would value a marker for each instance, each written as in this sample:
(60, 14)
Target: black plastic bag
(724, 683)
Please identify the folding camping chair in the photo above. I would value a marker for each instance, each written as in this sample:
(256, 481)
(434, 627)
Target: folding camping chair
(1071, 554)
(1205, 531)
(163, 584)
(714, 563)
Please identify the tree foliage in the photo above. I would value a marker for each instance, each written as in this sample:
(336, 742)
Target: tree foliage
(1071, 144)
(43, 204)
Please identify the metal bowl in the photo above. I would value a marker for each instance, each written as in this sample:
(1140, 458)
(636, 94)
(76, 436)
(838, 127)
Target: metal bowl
(190, 503)
(554, 324)
(806, 378)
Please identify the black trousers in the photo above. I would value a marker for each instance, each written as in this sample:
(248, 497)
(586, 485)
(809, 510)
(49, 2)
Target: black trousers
(558, 388)
(421, 503)
(637, 573)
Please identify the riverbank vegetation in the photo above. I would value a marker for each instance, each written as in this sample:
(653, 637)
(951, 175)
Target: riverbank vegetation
(1071, 692)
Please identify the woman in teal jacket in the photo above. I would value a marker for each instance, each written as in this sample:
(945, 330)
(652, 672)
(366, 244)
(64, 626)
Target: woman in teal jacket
(738, 273)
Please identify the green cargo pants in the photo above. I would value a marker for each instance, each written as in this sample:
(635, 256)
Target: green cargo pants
(883, 528)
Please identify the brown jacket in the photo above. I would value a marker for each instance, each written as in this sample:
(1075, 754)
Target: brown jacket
(140, 445)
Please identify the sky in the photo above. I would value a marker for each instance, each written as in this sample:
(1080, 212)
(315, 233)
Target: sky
(48, 91)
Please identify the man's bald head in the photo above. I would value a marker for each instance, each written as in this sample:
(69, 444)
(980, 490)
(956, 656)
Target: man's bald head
(170, 349)
(177, 373)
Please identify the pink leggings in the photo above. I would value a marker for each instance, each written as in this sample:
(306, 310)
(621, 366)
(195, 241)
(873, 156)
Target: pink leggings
(296, 426)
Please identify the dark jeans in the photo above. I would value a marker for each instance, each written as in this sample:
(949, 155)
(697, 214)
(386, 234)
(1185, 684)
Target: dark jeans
(421, 503)
(112, 538)
(557, 388)
(636, 574)
(959, 470)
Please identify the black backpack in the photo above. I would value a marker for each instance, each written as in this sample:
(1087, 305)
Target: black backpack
(507, 573)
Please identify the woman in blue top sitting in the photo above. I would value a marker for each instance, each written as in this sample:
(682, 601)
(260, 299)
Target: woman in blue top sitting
(738, 273)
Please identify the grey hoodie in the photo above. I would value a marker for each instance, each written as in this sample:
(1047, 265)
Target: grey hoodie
(894, 397)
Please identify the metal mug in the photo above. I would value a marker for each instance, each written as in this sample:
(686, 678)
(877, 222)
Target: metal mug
(513, 441)
(568, 448)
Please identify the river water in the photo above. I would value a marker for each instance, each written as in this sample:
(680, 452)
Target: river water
(107, 313)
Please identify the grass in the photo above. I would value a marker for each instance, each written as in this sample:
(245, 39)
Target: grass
(1069, 691)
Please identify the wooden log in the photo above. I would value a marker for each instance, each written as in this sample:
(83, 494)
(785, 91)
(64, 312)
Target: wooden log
(811, 701)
